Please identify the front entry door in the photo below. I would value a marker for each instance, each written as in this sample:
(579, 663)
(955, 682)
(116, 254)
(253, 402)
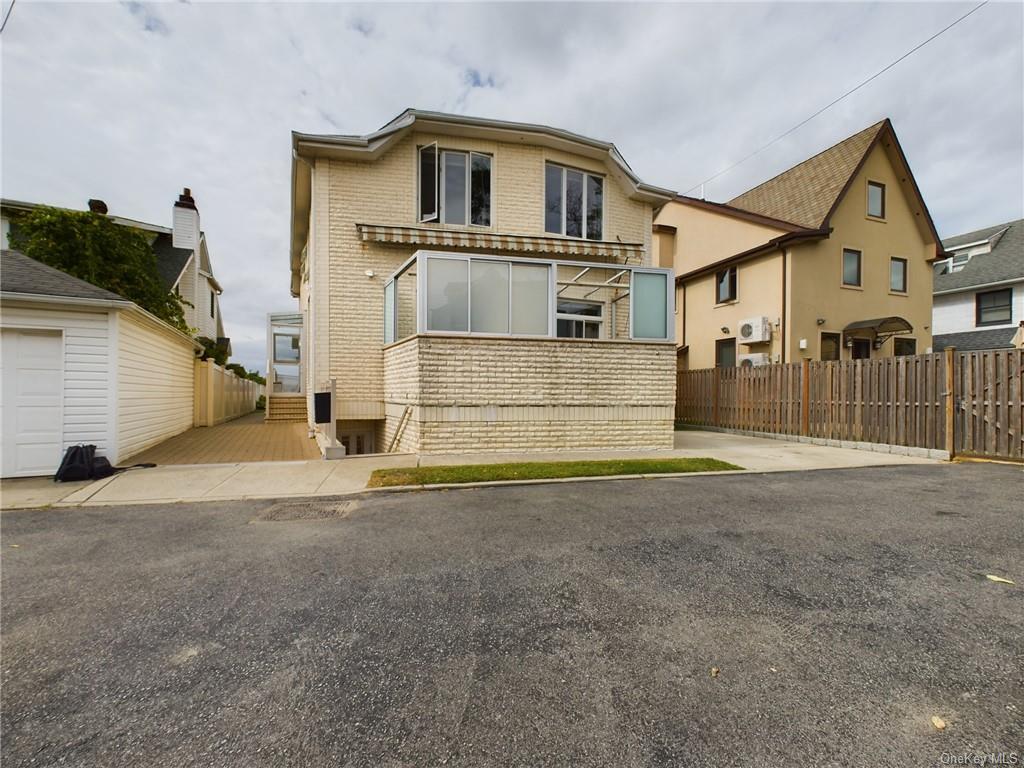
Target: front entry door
(861, 349)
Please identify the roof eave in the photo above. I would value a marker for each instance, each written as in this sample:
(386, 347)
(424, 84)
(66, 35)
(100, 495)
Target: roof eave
(776, 243)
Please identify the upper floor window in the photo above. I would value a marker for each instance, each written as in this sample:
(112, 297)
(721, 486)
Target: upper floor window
(573, 203)
(876, 199)
(454, 187)
(725, 285)
(994, 307)
(898, 275)
(851, 267)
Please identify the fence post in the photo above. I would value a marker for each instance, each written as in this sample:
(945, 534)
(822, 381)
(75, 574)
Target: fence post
(805, 397)
(716, 382)
(950, 401)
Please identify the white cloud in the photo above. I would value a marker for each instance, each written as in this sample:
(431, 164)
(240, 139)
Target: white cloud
(130, 102)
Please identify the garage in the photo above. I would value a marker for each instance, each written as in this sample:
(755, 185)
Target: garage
(81, 365)
(31, 376)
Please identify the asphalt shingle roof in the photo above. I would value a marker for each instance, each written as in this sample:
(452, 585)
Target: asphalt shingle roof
(1004, 262)
(169, 260)
(988, 338)
(806, 193)
(20, 274)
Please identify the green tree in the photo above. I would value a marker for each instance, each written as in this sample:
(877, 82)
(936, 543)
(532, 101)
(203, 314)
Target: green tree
(92, 247)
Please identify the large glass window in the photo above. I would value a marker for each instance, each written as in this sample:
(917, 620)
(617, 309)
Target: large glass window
(447, 294)
(573, 203)
(851, 267)
(994, 307)
(489, 296)
(650, 310)
(530, 291)
(286, 348)
(454, 187)
(389, 312)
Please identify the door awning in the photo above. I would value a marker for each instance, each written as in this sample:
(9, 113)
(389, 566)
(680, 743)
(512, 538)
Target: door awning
(879, 326)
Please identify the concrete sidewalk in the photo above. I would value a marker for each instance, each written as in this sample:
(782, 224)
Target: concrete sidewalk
(218, 482)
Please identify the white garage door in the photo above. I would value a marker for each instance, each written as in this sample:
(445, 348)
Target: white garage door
(32, 395)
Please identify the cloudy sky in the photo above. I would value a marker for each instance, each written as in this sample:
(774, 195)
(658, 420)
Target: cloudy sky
(129, 102)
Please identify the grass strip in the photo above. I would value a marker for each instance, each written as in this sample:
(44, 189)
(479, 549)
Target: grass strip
(540, 470)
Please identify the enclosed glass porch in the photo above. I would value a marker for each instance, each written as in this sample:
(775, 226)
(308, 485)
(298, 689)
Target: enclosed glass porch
(437, 292)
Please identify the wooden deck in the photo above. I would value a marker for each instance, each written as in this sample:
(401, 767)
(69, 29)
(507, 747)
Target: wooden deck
(249, 438)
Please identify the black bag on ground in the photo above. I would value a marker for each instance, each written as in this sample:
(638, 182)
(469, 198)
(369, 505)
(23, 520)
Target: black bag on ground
(76, 464)
(80, 462)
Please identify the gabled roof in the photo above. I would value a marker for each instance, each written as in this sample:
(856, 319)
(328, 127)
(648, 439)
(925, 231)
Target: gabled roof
(170, 261)
(809, 192)
(1004, 263)
(22, 275)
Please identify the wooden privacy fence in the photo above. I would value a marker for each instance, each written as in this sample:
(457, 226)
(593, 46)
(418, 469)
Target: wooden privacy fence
(220, 395)
(959, 402)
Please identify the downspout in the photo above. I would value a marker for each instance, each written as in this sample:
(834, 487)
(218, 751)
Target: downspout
(782, 324)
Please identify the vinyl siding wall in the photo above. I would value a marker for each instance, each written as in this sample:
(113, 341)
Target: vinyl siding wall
(956, 312)
(155, 384)
(88, 401)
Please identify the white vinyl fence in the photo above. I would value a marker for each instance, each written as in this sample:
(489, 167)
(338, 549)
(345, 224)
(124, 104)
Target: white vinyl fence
(220, 395)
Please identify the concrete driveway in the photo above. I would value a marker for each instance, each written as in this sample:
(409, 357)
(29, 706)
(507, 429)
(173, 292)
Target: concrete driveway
(262, 480)
(544, 625)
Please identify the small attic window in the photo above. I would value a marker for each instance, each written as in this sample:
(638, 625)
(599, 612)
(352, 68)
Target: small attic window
(876, 199)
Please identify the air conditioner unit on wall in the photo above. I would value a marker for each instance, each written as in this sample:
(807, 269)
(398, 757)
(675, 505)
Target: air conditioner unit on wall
(756, 330)
(754, 359)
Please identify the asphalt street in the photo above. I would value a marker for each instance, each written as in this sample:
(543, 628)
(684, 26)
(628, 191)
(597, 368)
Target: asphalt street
(817, 618)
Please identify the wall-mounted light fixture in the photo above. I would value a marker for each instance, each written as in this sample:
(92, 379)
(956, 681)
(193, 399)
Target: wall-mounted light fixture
(821, 321)
(725, 329)
(369, 273)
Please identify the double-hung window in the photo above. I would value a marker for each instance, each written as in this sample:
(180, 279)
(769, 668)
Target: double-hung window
(573, 203)
(994, 307)
(454, 187)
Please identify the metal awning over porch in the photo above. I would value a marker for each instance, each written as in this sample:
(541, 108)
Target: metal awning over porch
(425, 236)
(881, 328)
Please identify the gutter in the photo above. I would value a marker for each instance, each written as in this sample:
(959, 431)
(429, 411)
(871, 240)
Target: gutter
(776, 243)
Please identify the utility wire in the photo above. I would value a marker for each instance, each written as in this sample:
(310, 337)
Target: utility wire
(836, 101)
(7, 15)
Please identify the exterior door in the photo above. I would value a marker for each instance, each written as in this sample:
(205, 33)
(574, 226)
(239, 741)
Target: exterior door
(32, 395)
(861, 349)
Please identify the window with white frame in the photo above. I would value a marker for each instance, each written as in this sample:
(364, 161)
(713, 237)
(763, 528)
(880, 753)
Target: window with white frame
(454, 186)
(437, 292)
(577, 319)
(573, 202)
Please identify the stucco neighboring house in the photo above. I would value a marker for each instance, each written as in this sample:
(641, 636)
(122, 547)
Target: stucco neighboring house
(480, 285)
(979, 289)
(80, 364)
(183, 258)
(829, 260)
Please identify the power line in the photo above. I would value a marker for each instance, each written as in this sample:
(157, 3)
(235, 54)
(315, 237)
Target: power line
(836, 101)
(7, 15)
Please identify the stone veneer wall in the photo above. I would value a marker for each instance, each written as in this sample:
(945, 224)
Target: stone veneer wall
(480, 394)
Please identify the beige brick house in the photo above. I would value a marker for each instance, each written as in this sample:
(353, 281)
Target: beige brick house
(481, 285)
(829, 260)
